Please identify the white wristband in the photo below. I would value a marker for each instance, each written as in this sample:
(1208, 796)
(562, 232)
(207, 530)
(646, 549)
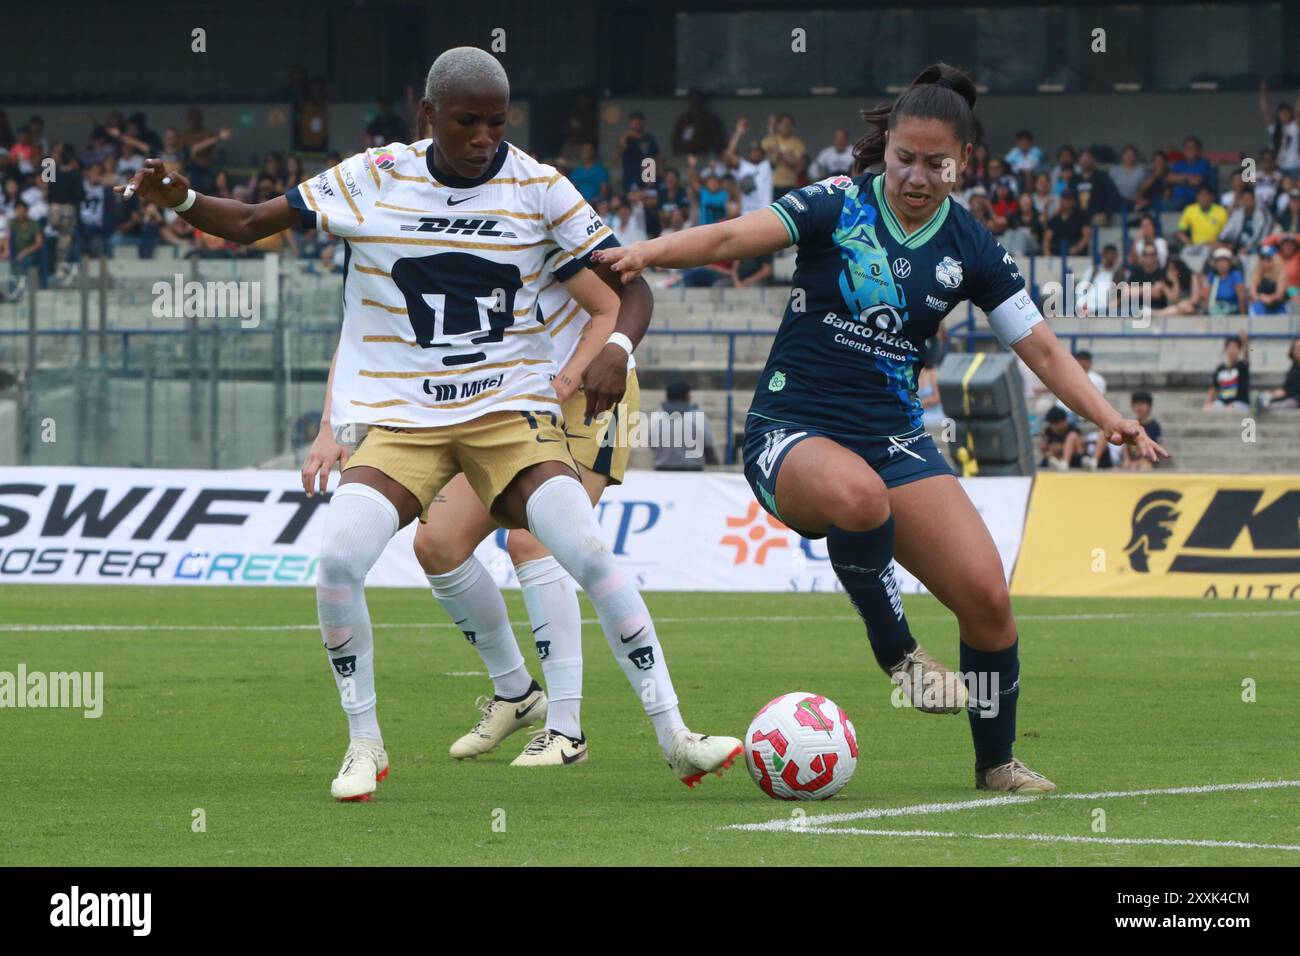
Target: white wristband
(622, 341)
(184, 206)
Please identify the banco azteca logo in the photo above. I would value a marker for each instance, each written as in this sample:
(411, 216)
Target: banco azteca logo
(1234, 534)
(754, 534)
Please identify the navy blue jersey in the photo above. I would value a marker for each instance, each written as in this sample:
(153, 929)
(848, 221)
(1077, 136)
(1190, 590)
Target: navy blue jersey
(866, 298)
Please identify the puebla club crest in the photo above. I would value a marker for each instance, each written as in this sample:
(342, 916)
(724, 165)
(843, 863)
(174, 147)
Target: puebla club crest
(948, 273)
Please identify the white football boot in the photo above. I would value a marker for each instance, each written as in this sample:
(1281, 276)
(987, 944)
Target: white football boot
(1013, 777)
(551, 748)
(364, 765)
(928, 684)
(691, 756)
(500, 719)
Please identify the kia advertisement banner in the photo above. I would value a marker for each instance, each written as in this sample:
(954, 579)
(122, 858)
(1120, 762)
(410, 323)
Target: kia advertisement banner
(1162, 535)
(670, 531)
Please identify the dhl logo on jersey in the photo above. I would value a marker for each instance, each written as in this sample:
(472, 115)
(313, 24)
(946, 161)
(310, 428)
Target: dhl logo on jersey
(1211, 536)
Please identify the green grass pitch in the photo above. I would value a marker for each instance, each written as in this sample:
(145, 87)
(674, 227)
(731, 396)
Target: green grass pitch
(222, 701)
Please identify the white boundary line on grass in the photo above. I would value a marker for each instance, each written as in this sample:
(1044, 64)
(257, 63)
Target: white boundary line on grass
(820, 824)
(738, 618)
(1055, 838)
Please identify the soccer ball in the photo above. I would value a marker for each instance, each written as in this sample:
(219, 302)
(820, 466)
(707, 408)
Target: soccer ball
(801, 747)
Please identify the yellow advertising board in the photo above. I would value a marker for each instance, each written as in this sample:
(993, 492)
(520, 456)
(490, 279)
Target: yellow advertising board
(1157, 534)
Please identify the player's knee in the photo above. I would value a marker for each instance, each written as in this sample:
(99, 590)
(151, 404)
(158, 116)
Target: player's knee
(988, 611)
(859, 503)
(440, 554)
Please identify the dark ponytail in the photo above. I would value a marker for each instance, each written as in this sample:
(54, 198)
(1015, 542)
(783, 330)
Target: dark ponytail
(939, 91)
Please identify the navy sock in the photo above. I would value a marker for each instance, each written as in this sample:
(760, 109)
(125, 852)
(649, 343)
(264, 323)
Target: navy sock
(992, 708)
(863, 562)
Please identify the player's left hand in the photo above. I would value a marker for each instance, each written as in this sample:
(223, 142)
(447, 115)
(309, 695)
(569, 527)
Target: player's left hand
(604, 380)
(1129, 431)
(628, 261)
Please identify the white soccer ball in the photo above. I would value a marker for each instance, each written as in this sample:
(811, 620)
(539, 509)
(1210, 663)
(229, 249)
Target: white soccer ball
(801, 747)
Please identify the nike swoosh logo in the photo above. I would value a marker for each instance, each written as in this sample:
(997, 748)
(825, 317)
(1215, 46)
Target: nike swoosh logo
(767, 460)
(520, 714)
(539, 627)
(455, 202)
(462, 620)
(567, 759)
(628, 640)
(541, 439)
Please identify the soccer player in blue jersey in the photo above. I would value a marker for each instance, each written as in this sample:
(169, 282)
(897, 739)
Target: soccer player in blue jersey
(834, 445)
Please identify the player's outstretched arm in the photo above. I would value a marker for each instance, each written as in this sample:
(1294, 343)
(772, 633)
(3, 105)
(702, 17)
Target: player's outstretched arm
(227, 218)
(1047, 358)
(758, 233)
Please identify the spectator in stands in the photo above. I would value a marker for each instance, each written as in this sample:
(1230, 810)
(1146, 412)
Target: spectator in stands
(1225, 293)
(137, 126)
(998, 176)
(1096, 288)
(1283, 131)
(132, 157)
(1068, 232)
(175, 231)
(172, 154)
(1142, 404)
(753, 172)
(1287, 206)
(26, 238)
(1025, 159)
(221, 185)
(140, 225)
(24, 153)
(1182, 289)
(636, 146)
(98, 148)
(198, 143)
(1268, 181)
(1154, 193)
(1060, 446)
(752, 272)
(673, 196)
(10, 198)
(1288, 396)
(683, 457)
(293, 171)
(1202, 221)
(1024, 227)
(1188, 174)
(977, 201)
(1268, 293)
(1003, 206)
(314, 119)
(36, 124)
(386, 126)
(1228, 199)
(1097, 195)
(1230, 386)
(1148, 275)
(1045, 201)
(1147, 237)
(710, 196)
(589, 176)
(628, 222)
(977, 169)
(834, 160)
(698, 129)
(65, 195)
(790, 155)
(272, 170)
(94, 212)
(675, 221)
(1128, 177)
(1247, 224)
(1065, 170)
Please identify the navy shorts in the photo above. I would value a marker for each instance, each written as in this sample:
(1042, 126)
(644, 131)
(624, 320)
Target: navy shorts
(897, 459)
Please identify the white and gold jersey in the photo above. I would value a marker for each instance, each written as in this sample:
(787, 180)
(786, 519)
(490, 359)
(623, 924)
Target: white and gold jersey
(442, 313)
(566, 320)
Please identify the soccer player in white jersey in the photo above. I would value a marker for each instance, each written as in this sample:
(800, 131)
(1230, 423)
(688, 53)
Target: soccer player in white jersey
(441, 356)
(457, 522)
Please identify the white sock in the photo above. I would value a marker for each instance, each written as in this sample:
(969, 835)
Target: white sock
(561, 518)
(359, 521)
(552, 601)
(475, 604)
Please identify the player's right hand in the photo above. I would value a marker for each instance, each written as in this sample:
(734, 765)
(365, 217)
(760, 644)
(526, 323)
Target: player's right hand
(321, 457)
(148, 185)
(628, 261)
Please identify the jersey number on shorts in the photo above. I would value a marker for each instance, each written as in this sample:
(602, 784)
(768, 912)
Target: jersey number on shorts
(456, 301)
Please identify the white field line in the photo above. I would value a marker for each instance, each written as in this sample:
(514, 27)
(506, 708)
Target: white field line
(1055, 838)
(739, 618)
(806, 824)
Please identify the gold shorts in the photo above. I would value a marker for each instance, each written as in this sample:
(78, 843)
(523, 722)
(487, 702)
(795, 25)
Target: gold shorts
(491, 450)
(588, 442)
